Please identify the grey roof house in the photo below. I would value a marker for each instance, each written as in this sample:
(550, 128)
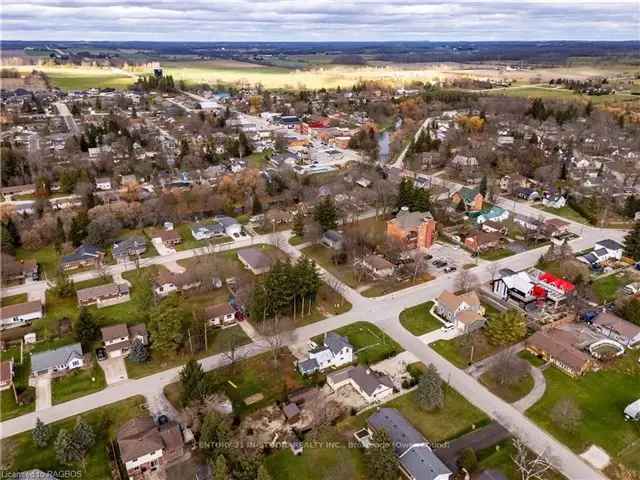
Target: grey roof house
(58, 361)
(129, 247)
(417, 460)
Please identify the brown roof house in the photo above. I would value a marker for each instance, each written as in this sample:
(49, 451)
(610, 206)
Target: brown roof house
(464, 311)
(255, 260)
(19, 271)
(482, 241)
(20, 314)
(146, 447)
(378, 266)
(170, 238)
(616, 328)
(220, 314)
(104, 295)
(558, 347)
(118, 338)
(167, 282)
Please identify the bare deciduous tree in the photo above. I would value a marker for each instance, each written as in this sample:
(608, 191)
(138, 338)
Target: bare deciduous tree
(508, 368)
(276, 332)
(466, 281)
(566, 414)
(530, 465)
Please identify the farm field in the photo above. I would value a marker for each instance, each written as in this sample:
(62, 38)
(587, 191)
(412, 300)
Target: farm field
(82, 78)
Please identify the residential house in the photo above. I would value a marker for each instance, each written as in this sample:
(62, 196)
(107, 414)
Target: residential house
(57, 362)
(20, 314)
(491, 227)
(495, 214)
(103, 295)
(378, 266)
(118, 338)
(603, 251)
(464, 162)
(83, 256)
(464, 311)
(554, 201)
(414, 229)
(167, 282)
(103, 183)
(416, 458)
(255, 260)
(19, 271)
(6, 374)
(554, 227)
(170, 238)
(534, 285)
(335, 352)
(472, 199)
(372, 386)
(146, 447)
(530, 224)
(481, 241)
(528, 194)
(231, 226)
(129, 247)
(208, 230)
(332, 239)
(220, 314)
(616, 328)
(558, 347)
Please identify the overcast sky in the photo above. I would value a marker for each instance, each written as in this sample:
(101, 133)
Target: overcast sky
(320, 20)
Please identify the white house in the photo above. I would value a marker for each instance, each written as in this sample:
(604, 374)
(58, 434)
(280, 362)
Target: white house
(554, 201)
(20, 314)
(372, 386)
(103, 183)
(603, 250)
(205, 231)
(378, 266)
(336, 352)
(58, 361)
(464, 311)
(231, 226)
(220, 314)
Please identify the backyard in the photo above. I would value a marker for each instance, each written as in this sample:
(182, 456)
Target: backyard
(600, 397)
(19, 451)
(606, 288)
(419, 320)
(9, 408)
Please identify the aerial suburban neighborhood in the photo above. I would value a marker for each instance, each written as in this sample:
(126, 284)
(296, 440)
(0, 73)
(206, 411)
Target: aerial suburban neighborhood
(216, 266)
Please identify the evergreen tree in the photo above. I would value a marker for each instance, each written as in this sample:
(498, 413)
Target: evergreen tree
(380, 457)
(298, 224)
(12, 231)
(506, 328)
(405, 194)
(41, 434)
(632, 243)
(65, 448)
(8, 243)
(221, 471)
(78, 228)
(193, 382)
(430, 393)
(256, 208)
(483, 186)
(326, 214)
(65, 287)
(139, 352)
(215, 434)
(60, 236)
(86, 329)
(167, 325)
(83, 436)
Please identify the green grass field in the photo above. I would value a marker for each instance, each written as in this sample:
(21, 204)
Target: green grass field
(8, 406)
(77, 384)
(548, 92)
(606, 289)
(14, 299)
(566, 212)
(509, 393)
(19, 453)
(419, 320)
(601, 398)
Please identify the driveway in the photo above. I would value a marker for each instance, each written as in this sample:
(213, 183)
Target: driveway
(161, 248)
(43, 392)
(114, 370)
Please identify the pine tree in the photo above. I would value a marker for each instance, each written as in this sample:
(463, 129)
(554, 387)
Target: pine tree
(221, 471)
(256, 208)
(483, 186)
(41, 434)
(12, 230)
(632, 243)
(86, 329)
(193, 381)
(78, 229)
(326, 214)
(65, 287)
(83, 436)
(430, 393)
(380, 457)
(60, 237)
(298, 224)
(139, 352)
(65, 448)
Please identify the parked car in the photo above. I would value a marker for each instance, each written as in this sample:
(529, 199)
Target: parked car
(428, 257)
(101, 353)
(450, 269)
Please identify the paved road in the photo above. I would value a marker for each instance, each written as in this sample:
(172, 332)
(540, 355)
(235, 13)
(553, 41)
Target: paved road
(64, 111)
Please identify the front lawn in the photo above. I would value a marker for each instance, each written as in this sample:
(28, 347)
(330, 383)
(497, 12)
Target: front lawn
(509, 393)
(14, 299)
(601, 398)
(606, 289)
(500, 457)
(77, 383)
(385, 287)
(218, 342)
(323, 257)
(370, 343)
(47, 257)
(496, 254)
(565, 212)
(419, 320)
(459, 350)
(9, 408)
(19, 453)
(188, 242)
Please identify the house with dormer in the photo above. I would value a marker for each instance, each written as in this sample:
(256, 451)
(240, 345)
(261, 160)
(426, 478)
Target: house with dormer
(464, 311)
(335, 352)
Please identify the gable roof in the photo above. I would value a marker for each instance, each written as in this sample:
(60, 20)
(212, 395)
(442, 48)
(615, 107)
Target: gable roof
(557, 346)
(452, 302)
(83, 252)
(409, 220)
(19, 309)
(255, 258)
(336, 343)
(403, 435)
(610, 244)
(617, 324)
(114, 331)
(51, 358)
(108, 290)
(141, 436)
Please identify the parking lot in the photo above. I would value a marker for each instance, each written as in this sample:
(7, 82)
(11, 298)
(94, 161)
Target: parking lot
(454, 256)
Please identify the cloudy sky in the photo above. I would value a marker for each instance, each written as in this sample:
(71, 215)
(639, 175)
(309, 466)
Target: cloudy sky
(320, 20)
